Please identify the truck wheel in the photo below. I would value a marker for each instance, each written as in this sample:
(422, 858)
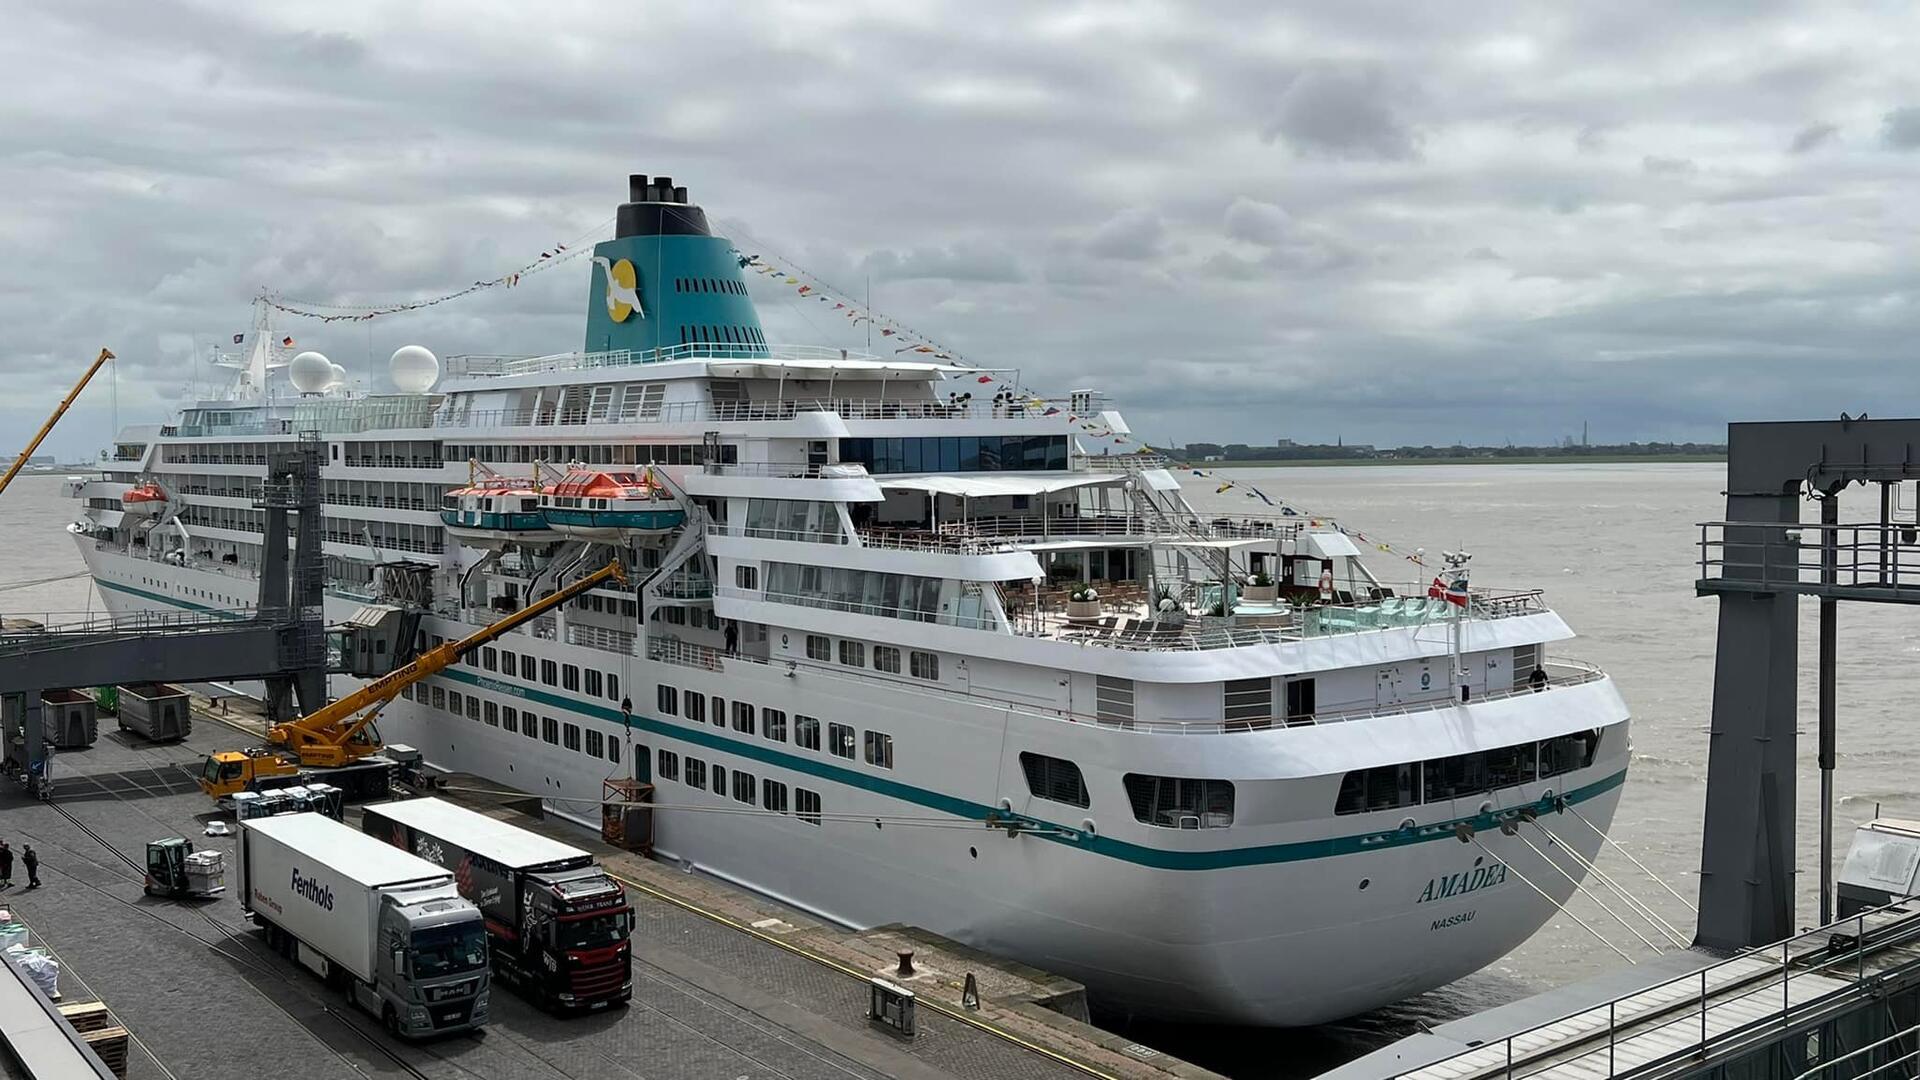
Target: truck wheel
(391, 1020)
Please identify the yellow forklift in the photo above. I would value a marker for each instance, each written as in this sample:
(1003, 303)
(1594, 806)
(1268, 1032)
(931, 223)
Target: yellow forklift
(337, 744)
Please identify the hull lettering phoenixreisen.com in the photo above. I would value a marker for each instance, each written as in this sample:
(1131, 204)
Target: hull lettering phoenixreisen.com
(1480, 877)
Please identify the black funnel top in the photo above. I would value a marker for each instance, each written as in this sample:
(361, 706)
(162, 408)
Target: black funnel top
(657, 208)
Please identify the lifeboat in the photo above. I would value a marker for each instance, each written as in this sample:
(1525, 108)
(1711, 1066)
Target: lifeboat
(590, 504)
(147, 498)
(495, 512)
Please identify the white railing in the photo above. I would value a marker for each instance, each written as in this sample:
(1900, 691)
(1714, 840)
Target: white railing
(763, 532)
(797, 470)
(599, 637)
(490, 366)
(855, 607)
(708, 658)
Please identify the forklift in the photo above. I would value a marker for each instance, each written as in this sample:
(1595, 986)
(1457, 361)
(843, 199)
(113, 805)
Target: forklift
(175, 870)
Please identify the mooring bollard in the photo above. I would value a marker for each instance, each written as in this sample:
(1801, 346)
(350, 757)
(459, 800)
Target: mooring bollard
(905, 970)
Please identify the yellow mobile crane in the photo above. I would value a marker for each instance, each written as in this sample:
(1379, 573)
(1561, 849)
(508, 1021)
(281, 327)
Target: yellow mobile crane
(341, 735)
(65, 403)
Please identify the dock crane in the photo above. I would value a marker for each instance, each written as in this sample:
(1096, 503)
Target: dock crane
(65, 404)
(341, 735)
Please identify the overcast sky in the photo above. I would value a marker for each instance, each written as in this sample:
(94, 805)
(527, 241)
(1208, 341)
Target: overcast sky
(1386, 221)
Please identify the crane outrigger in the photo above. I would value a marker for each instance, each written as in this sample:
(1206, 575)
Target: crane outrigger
(342, 734)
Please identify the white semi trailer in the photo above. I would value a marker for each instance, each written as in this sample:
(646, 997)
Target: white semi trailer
(389, 927)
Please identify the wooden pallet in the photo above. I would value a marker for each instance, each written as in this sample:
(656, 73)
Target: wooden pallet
(97, 1025)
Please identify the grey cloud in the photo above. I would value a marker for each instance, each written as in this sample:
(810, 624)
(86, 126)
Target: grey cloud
(1669, 166)
(961, 262)
(1812, 137)
(1132, 234)
(1342, 110)
(1257, 222)
(1900, 128)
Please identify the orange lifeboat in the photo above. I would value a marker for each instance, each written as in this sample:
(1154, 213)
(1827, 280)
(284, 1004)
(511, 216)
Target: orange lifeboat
(147, 498)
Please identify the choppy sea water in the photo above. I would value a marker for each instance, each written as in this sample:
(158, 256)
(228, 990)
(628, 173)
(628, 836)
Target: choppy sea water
(1614, 546)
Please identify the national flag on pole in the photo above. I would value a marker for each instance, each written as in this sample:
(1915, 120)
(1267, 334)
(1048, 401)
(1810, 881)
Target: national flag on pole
(287, 341)
(238, 338)
(1453, 593)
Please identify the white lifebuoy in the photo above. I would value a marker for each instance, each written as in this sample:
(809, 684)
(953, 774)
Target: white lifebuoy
(1326, 585)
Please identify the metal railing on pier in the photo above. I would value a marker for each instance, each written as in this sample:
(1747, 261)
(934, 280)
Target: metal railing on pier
(1869, 560)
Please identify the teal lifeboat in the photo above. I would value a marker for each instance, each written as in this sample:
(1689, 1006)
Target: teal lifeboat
(494, 511)
(611, 506)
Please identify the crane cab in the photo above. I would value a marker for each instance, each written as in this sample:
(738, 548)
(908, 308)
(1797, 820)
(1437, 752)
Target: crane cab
(229, 771)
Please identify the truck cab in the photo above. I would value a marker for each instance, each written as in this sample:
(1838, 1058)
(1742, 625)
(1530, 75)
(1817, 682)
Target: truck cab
(433, 969)
(578, 922)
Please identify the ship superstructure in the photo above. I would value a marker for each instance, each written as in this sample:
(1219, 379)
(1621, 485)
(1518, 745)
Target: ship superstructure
(1227, 769)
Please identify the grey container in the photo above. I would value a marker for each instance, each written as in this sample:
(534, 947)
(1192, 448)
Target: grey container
(70, 718)
(155, 711)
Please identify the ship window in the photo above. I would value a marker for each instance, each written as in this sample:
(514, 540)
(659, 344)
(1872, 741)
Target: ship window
(570, 736)
(696, 707)
(840, 740)
(1055, 779)
(1176, 802)
(746, 787)
(1383, 787)
(806, 805)
(1568, 752)
(613, 751)
(669, 700)
(549, 672)
(773, 796)
(526, 667)
(613, 687)
(1465, 775)
(488, 658)
(593, 683)
(507, 663)
(717, 710)
(1113, 700)
(747, 577)
(1248, 700)
(743, 717)
(879, 747)
(569, 677)
(596, 743)
(549, 729)
(886, 658)
(806, 732)
(669, 768)
(696, 773)
(455, 703)
(510, 718)
(853, 653)
(819, 648)
(490, 713)
(925, 665)
(439, 697)
(719, 779)
(773, 724)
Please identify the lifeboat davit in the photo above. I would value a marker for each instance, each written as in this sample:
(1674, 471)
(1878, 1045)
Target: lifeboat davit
(147, 498)
(611, 506)
(492, 514)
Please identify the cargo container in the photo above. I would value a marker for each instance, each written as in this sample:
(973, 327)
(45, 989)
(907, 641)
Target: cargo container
(154, 711)
(389, 928)
(560, 925)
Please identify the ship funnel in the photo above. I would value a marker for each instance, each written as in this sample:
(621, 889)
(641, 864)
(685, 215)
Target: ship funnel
(680, 195)
(637, 187)
(663, 189)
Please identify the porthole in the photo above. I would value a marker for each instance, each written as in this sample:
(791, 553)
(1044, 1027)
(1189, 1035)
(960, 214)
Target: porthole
(1364, 882)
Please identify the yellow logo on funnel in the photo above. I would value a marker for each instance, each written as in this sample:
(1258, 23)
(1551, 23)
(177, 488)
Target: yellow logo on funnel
(623, 293)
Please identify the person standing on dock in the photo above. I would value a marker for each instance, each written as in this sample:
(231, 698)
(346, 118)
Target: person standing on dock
(6, 866)
(32, 860)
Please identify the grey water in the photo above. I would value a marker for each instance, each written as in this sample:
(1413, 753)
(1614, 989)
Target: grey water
(1614, 548)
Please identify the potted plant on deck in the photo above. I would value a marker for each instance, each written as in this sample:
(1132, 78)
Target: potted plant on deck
(1083, 603)
(1261, 589)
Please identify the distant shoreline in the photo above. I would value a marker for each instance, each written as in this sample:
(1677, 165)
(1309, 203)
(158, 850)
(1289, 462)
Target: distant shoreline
(1584, 459)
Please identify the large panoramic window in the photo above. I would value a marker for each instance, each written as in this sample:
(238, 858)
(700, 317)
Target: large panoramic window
(1055, 779)
(1178, 802)
(959, 454)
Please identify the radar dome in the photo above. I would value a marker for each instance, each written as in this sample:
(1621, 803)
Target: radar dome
(338, 379)
(310, 372)
(414, 369)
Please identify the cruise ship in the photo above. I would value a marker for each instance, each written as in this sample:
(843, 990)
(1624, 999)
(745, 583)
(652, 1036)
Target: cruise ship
(903, 647)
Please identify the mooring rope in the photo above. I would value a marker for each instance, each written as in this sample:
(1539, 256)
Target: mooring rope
(1645, 910)
(1544, 895)
(1582, 889)
(1629, 857)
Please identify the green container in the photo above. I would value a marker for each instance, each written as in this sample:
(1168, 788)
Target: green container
(108, 698)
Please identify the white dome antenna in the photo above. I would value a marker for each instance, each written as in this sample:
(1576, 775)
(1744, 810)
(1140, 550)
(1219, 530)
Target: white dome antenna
(311, 372)
(339, 378)
(414, 369)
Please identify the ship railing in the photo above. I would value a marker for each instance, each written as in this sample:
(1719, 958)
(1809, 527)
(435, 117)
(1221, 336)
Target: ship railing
(599, 637)
(765, 532)
(1702, 1015)
(493, 366)
(23, 633)
(922, 540)
(1125, 463)
(857, 607)
(796, 470)
(673, 650)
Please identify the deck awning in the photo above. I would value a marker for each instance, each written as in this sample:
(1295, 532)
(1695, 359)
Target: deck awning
(1327, 544)
(981, 487)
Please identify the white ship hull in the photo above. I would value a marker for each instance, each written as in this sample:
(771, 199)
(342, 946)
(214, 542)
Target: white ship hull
(1289, 917)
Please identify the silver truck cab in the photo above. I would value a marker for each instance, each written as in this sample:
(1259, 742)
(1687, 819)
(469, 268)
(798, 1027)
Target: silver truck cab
(432, 974)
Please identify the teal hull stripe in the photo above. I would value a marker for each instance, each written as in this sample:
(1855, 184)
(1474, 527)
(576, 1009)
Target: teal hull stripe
(769, 753)
(174, 601)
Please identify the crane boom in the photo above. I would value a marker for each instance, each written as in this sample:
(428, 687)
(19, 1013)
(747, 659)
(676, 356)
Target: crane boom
(322, 737)
(65, 403)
